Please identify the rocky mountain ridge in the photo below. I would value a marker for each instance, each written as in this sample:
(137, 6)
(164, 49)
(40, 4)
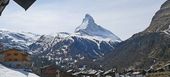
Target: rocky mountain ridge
(19, 40)
(144, 49)
(160, 22)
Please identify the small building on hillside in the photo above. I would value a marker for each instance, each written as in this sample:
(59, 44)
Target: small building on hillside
(54, 71)
(167, 67)
(88, 73)
(150, 70)
(163, 68)
(111, 73)
(137, 74)
(15, 58)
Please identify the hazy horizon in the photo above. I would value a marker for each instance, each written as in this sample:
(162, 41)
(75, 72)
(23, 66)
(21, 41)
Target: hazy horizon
(122, 17)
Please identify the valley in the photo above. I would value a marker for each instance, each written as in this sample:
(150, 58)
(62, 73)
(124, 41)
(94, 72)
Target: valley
(90, 51)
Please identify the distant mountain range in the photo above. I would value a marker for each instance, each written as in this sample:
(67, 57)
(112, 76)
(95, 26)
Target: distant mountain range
(89, 43)
(9, 39)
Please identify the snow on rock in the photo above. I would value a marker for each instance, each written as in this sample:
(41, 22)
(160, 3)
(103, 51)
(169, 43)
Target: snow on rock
(167, 31)
(61, 34)
(23, 37)
(18, 40)
(7, 72)
(90, 28)
(32, 36)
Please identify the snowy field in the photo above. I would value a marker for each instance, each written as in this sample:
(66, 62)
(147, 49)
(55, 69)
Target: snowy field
(7, 72)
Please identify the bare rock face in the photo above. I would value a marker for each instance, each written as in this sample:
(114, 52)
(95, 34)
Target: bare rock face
(161, 19)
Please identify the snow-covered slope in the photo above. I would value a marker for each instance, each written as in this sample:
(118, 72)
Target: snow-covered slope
(90, 28)
(9, 39)
(7, 72)
(89, 42)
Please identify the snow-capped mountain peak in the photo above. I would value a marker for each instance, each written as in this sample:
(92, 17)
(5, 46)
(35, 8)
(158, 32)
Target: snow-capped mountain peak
(88, 19)
(89, 28)
(10, 39)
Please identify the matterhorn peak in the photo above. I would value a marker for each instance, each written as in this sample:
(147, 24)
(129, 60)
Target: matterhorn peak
(89, 28)
(88, 18)
(88, 23)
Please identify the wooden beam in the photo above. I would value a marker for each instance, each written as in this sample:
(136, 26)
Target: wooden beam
(25, 3)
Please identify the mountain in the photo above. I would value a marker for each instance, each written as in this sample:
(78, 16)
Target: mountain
(7, 72)
(9, 39)
(90, 28)
(161, 20)
(145, 49)
(76, 49)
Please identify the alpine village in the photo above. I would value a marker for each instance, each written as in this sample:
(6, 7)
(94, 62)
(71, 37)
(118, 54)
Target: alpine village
(91, 51)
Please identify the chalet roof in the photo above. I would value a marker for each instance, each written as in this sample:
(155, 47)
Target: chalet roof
(163, 66)
(52, 66)
(91, 71)
(71, 70)
(88, 72)
(76, 73)
(99, 72)
(23, 3)
(136, 73)
(110, 71)
(167, 64)
(18, 50)
(160, 68)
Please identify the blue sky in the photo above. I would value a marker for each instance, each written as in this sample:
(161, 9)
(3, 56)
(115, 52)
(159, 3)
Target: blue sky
(123, 17)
